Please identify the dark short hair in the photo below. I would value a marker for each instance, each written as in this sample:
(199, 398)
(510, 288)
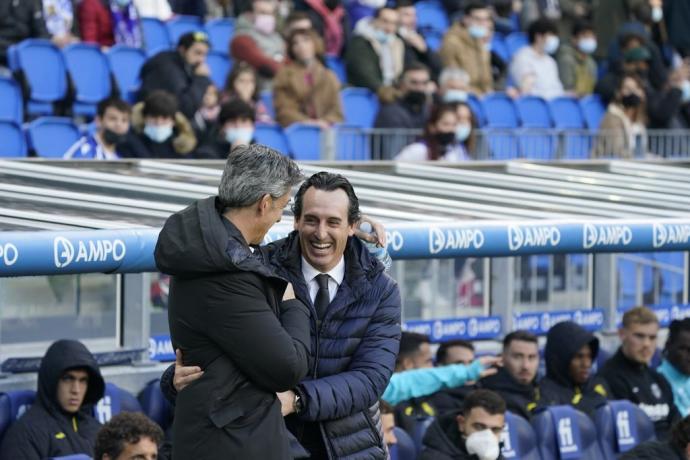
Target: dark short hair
(680, 434)
(404, 4)
(442, 352)
(328, 182)
(675, 329)
(309, 33)
(160, 104)
(187, 40)
(295, 16)
(114, 102)
(474, 5)
(582, 26)
(487, 400)
(415, 66)
(236, 109)
(540, 27)
(125, 428)
(410, 343)
(519, 336)
(385, 407)
(377, 13)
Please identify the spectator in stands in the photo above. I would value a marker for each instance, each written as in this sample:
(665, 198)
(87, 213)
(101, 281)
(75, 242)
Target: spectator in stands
(110, 22)
(241, 84)
(297, 20)
(182, 72)
(112, 126)
(375, 55)
(235, 127)
(329, 19)
(455, 352)
(159, 9)
(676, 364)
(516, 381)
(576, 67)
(565, 13)
(534, 69)
(677, 18)
(416, 47)
(337, 408)
(362, 9)
(19, 21)
(60, 421)
(415, 352)
(205, 121)
(60, 22)
(454, 85)
(440, 139)
(128, 436)
(473, 433)
(189, 7)
(388, 423)
(206, 248)
(622, 132)
(304, 90)
(159, 130)
(676, 448)
(258, 43)
(608, 17)
(629, 376)
(569, 354)
(464, 46)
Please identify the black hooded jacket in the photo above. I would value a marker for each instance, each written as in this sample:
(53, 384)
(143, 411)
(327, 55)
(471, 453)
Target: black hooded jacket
(520, 399)
(46, 430)
(563, 341)
(654, 450)
(227, 316)
(443, 441)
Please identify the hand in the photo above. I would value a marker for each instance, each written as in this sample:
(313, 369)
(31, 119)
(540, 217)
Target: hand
(203, 70)
(289, 293)
(378, 236)
(184, 375)
(287, 402)
(491, 365)
(416, 41)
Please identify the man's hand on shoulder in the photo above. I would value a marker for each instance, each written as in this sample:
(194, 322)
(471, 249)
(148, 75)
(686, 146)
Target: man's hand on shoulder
(184, 375)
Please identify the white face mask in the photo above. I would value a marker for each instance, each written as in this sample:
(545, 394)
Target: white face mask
(552, 44)
(657, 14)
(483, 444)
(159, 133)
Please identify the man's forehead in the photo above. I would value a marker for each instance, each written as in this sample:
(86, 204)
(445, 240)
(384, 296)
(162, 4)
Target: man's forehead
(76, 373)
(480, 415)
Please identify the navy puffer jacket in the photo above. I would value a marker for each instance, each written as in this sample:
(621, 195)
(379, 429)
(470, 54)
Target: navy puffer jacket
(355, 350)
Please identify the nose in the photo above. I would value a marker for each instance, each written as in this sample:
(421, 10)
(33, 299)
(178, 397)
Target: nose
(321, 231)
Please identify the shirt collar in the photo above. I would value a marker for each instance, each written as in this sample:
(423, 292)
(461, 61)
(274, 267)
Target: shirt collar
(337, 273)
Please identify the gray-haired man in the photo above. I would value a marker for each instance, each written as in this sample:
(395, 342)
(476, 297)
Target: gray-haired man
(232, 316)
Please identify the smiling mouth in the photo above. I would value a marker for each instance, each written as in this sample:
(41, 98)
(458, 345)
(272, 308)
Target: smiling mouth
(320, 246)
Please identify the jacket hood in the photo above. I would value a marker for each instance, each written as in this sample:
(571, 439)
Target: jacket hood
(502, 381)
(198, 240)
(62, 356)
(563, 341)
(443, 436)
(365, 28)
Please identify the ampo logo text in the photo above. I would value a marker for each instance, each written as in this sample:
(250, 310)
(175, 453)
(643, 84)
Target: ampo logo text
(454, 239)
(606, 235)
(532, 237)
(65, 252)
(8, 254)
(663, 234)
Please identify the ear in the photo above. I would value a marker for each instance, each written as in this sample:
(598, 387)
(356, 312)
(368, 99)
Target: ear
(264, 204)
(621, 334)
(460, 419)
(105, 457)
(351, 229)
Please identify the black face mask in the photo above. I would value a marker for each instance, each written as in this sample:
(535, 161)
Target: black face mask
(415, 98)
(631, 101)
(331, 4)
(112, 138)
(445, 138)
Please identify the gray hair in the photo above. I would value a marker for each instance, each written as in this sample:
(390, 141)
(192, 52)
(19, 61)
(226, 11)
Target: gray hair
(453, 73)
(254, 171)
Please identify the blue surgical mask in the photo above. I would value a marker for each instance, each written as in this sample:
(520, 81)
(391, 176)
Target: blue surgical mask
(686, 91)
(239, 135)
(382, 37)
(657, 14)
(552, 44)
(477, 31)
(455, 95)
(462, 132)
(158, 133)
(587, 45)
(122, 3)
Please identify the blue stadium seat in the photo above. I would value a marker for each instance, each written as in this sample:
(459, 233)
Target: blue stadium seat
(434, 39)
(156, 37)
(272, 136)
(537, 144)
(12, 107)
(601, 359)
(360, 106)
(405, 448)
(220, 32)
(44, 68)
(125, 64)
(13, 141)
(114, 401)
(13, 404)
(593, 111)
(304, 141)
(220, 66)
(499, 47)
(500, 111)
(154, 404)
(50, 137)
(267, 100)
(337, 67)
(180, 25)
(533, 112)
(476, 107)
(518, 439)
(621, 425)
(90, 74)
(564, 433)
(515, 41)
(72, 457)
(431, 16)
(566, 113)
(421, 425)
(351, 144)
(502, 144)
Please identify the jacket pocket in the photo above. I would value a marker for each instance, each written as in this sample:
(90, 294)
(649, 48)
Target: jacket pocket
(244, 406)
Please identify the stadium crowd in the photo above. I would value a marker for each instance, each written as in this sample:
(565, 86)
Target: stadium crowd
(634, 54)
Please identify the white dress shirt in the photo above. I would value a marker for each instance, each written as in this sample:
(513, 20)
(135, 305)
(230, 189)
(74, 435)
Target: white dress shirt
(335, 278)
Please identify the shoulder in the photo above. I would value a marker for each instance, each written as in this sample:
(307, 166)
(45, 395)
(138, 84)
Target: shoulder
(413, 152)
(80, 148)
